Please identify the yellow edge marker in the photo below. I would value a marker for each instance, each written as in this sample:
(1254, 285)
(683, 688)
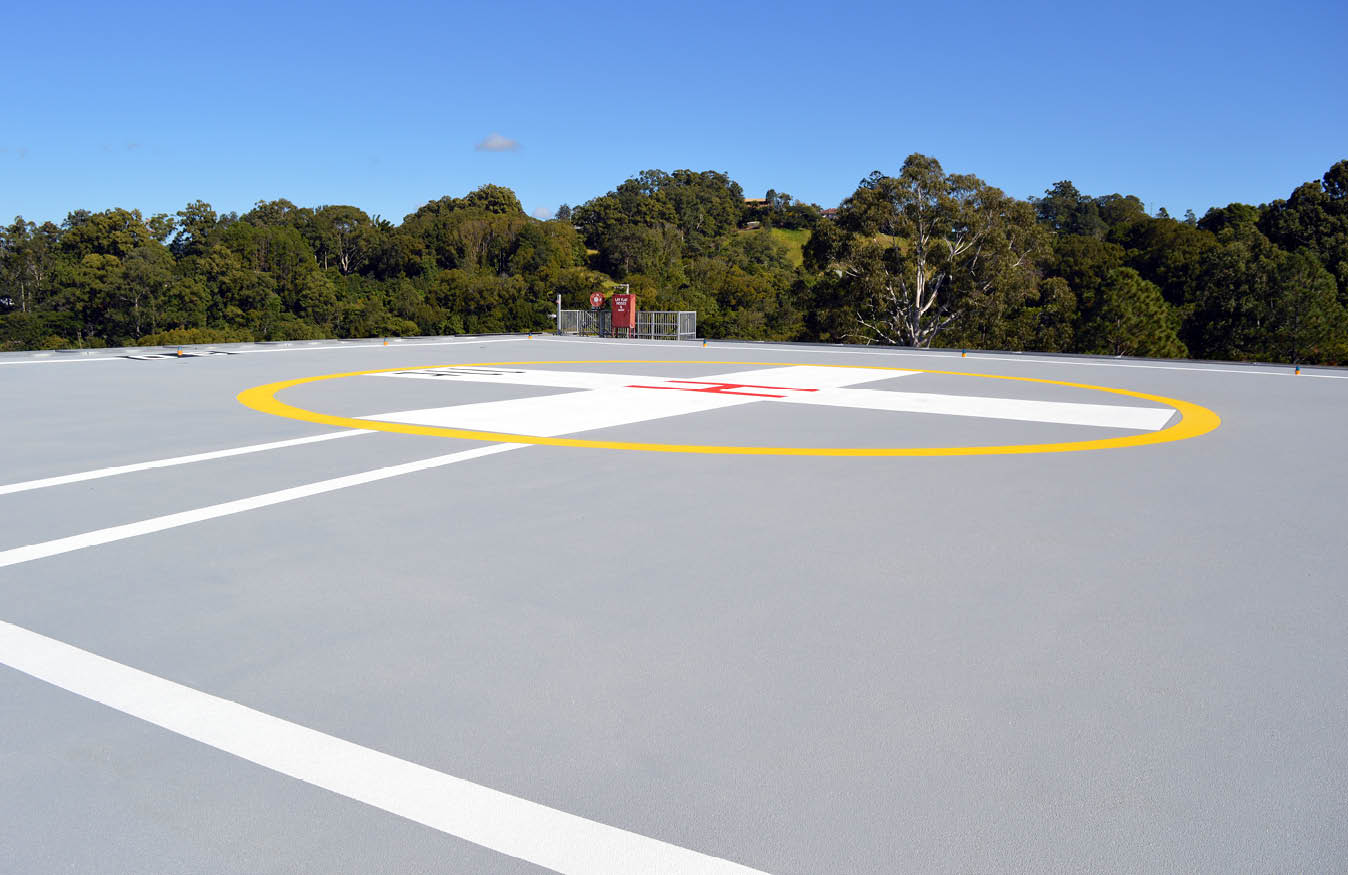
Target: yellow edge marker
(1194, 419)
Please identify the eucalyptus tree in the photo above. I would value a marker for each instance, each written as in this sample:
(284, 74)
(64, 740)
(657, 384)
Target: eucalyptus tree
(341, 236)
(918, 252)
(27, 253)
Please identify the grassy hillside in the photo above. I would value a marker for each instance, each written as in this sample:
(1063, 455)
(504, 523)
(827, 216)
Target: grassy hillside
(793, 240)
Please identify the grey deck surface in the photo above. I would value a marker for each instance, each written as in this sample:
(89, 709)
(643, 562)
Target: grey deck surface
(1121, 660)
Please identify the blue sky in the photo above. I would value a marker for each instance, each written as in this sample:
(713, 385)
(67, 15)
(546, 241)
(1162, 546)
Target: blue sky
(149, 106)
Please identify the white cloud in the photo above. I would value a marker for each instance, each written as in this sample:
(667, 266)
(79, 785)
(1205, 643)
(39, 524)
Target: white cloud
(497, 143)
(542, 213)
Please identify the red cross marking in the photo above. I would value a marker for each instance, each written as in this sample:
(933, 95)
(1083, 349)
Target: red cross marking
(726, 388)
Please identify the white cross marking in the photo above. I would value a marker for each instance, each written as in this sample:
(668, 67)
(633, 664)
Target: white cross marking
(622, 399)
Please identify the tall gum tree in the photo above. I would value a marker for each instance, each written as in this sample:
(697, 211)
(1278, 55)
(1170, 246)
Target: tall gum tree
(920, 251)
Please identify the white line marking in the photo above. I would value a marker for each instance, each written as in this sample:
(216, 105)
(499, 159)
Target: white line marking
(61, 361)
(810, 377)
(1058, 412)
(515, 377)
(869, 350)
(399, 345)
(549, 415)
(19, 555)
(498, 821)
(64, 479)
(123, 357)
(1251, 371)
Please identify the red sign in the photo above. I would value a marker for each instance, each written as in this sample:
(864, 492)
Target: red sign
(596, 300)
(624, 311)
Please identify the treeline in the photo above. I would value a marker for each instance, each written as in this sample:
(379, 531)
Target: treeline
(922, 257)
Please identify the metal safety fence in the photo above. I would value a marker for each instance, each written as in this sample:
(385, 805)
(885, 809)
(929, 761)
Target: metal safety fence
(651, 324)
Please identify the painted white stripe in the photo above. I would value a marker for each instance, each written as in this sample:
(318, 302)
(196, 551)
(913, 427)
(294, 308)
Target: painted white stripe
(54, 361)
(507, 824)
(517, 377)
(806, 377)
(19, 555)
(398, 344)
(568, 413)
(1061, 413)
(945, 354)
(99, 473)
(1249, 372)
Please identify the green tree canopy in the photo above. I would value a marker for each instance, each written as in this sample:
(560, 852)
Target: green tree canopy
(919, 251)
(1128, 316)
(921, 257)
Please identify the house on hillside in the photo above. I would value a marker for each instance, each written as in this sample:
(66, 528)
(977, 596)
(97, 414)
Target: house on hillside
(754, 206)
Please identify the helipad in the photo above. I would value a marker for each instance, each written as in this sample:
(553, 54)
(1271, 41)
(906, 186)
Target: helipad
(608, 400)
(437, 606)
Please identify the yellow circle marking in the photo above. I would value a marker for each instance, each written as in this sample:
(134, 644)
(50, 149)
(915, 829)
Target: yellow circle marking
(1194, 419)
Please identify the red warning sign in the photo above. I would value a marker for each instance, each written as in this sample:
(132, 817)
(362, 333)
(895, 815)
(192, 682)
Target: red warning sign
(624, 311)
(596, 300)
